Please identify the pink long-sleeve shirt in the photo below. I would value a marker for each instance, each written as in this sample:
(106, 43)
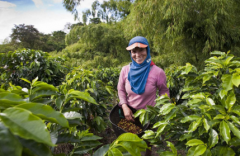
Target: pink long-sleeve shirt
(156, 80)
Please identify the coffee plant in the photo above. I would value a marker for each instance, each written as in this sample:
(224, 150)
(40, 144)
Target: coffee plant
(208, 123)
(30, 64)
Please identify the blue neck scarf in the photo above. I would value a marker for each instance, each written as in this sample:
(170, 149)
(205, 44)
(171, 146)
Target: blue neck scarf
(138, 73)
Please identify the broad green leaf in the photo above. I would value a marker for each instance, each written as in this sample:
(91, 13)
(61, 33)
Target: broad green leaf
(185, 136)
(26, 125)
(101, 151)
(116, 152)
(219, 108)
(159, 123)
(231, 99)
(9, 144)
(194, 142)
(25, 80)
(234, 129)
(210, 101)
(165, 109)
(190, 118)
(72, 115)
(236, 109)
(191, 151)
(234, 142)
(223, 151)
(174, 150)
(90, 138)
(129, 137)
(139, 112)
(36, 148)
(219, 116)
(160, 129)
(67, 138)
(9, 99)
(194, 101)
(42, 93)
(236, 79)
(223, 93)
(227, 61)
(59, 101)
(227, 82)
(200, 149)
(194, 125)
(80, 95)
(34, 81)
(38, 86)
(207, 153)
(152, 109)
(172, 114)
(45, 112)
(90, 143)
(82, 150)
(149, 134)
(225, 131)
(198, 96)
(167, 153)
(235, 119)
(217, 53)
(133, 148)
(206, 78)
(213, 139)
(206, 125)
(143, 118)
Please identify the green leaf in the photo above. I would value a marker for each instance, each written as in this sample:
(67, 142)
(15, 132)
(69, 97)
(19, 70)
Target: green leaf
(149, 134)
(159, 123)
(207, 153)
(206, 78)
(223, 151)
(234, 129)
(80, 95)
(101, 151)
(116, 152)
(46, 112)
(225, 131)
(210, 101)
(191, 151)
(236, 109)
(194, 125)
(38, 86)
(67, 138)
(129, 137)
(9, 144)
(72, 115)
(172, 114)
(227, 82)
(9, 99)
(219, 116)
(36, 148)
(134, 148)
(160, 129)
(139, 112)
(90, 138)
(167, 153)
(82, 150)
(174, 150)
(194, 142)
(234, 142)
(236, 79)
(26, 125)
(190, 118)
(42, 93)
(223, 93)
(206, 125)
(235, 119)
(59, 101)
(213, 139)
(165, 109)
(185, 136)
(25, 80)
(200, 149)
(231, 99)
(219, 108)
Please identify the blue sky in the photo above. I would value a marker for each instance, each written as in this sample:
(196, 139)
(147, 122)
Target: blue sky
(46, 15)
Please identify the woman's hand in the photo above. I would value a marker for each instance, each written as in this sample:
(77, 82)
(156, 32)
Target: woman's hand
(128, 113)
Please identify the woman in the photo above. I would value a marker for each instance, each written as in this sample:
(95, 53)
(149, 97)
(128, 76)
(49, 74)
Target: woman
(140, 80)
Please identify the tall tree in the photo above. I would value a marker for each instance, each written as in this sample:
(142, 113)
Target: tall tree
(186, 30)
(25, 35)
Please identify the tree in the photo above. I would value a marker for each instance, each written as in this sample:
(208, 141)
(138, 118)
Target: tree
(186, 31)
(25, 35)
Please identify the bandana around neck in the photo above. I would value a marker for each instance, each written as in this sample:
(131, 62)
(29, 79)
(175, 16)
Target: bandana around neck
(138, 73)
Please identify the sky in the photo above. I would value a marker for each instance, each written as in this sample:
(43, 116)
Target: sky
(45, 15)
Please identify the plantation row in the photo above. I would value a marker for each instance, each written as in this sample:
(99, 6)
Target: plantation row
(43, 105)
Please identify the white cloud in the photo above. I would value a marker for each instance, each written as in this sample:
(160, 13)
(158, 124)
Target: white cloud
(38, 2)
(57, 1)
(4, 4)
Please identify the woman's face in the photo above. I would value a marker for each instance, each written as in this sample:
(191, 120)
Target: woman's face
(139, 54)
